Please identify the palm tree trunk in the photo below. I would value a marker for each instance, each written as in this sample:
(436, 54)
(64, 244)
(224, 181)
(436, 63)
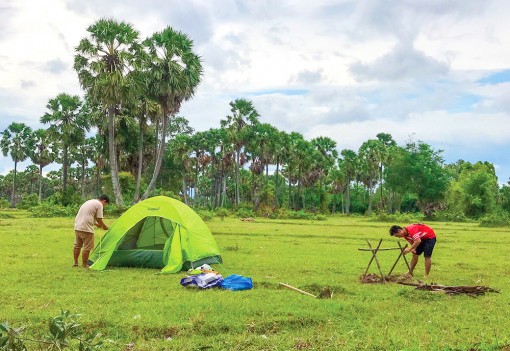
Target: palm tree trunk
(184, 191)
(136, 197)
(275, 203)
(13, 193)
(64, 170)
(83, 180)
(40, 183)
(159, 158)
(238, 161)
(113, 158)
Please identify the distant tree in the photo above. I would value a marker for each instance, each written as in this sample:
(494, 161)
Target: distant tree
(43, 153)
(67, 125)
(475, 192)
(419, 170)
(243, 116)
(17, 141)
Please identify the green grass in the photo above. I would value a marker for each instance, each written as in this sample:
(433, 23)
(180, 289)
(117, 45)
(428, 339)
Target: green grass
(154, 312)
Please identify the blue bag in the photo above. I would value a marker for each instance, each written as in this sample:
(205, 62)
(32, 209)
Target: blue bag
(236, 282)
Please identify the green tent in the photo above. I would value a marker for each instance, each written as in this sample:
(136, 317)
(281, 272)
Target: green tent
(159, 232)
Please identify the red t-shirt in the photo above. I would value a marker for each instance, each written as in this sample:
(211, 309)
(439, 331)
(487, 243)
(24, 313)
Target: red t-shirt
(419, 231)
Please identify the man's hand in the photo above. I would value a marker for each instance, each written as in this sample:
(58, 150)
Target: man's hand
(407, 250)
(105, 227)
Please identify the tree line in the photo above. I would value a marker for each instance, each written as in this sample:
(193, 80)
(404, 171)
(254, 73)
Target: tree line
(140, 146)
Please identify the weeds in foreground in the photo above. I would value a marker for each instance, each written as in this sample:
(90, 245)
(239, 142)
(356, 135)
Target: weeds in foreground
(64, 332)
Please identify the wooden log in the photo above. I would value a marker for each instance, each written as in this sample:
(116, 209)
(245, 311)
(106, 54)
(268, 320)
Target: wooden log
(386, 249)
(296, 289)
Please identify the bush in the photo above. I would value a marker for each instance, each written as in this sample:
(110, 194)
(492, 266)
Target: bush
(28, 201)
(205, 214)
(222, 212)
(398, 217)
(46, 210)
(4, 203)
(495, 220)
(450, 216)
(244, 213)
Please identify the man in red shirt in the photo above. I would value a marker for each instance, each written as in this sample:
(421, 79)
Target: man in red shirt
(422, 239)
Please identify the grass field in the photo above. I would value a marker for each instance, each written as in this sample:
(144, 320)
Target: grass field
(147, 311)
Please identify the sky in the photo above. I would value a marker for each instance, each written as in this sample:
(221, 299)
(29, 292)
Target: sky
(435, 71)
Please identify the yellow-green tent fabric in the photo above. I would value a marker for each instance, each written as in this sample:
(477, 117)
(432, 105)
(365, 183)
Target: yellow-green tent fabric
(159, 232)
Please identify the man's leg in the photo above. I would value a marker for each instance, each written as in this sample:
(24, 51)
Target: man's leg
(88, 245)
(414, 261)
(428, 264)
(78, 244)
(85, 258)
(76, 255)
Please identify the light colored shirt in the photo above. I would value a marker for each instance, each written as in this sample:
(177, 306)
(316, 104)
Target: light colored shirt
(87, 215)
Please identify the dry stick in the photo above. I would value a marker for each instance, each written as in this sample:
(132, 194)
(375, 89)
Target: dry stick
(400, 255)
(374, 256)
(405, 259)
(296, 289)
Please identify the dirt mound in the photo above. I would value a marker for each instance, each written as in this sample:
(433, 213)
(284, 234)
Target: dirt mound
(373, 278)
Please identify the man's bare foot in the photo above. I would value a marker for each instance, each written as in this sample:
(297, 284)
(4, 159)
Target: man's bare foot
(75, 265)
(85, 267)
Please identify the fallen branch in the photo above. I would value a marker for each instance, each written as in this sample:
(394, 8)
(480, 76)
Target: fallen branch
(296, 289)
(453, 290)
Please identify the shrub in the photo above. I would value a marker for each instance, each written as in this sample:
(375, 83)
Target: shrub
(28, 201)
(222, 212)
(244, 212)
(495, 220)
(4, 203)
(46, 210)
(398, 217)
(205, 214)
(450, 216)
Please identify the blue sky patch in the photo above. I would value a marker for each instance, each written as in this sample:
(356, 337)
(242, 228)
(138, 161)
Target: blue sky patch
(496, 78)
(280, 91)
(464, 103)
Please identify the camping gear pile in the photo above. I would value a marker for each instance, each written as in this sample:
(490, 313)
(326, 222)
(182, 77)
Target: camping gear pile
(205, 277)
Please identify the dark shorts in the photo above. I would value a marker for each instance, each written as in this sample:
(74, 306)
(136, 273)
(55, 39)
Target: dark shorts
(426, 247)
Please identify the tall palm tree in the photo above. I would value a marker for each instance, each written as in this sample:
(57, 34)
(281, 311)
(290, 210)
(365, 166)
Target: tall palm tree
(17, 141)
(349, 165)
(67, 125)
(175, 72)
(102, 61)
(43, 153)
(243, 117)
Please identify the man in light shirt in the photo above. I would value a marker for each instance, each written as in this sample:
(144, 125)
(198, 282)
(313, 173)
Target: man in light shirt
(422, 239)
(89, 214)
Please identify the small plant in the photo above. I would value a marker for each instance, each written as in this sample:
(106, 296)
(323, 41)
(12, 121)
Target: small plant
(11, 338)
(64, 332)
(205, 215)
(222, 213)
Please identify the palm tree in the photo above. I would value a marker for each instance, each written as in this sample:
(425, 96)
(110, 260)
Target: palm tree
(67, 125)
(102, 62)
(349, 165)
(17, 141)
(43, 153)
(244, 115)
(175, 72)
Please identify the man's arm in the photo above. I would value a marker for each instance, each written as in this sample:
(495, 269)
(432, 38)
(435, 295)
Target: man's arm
(100, 224)
(413, 246)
